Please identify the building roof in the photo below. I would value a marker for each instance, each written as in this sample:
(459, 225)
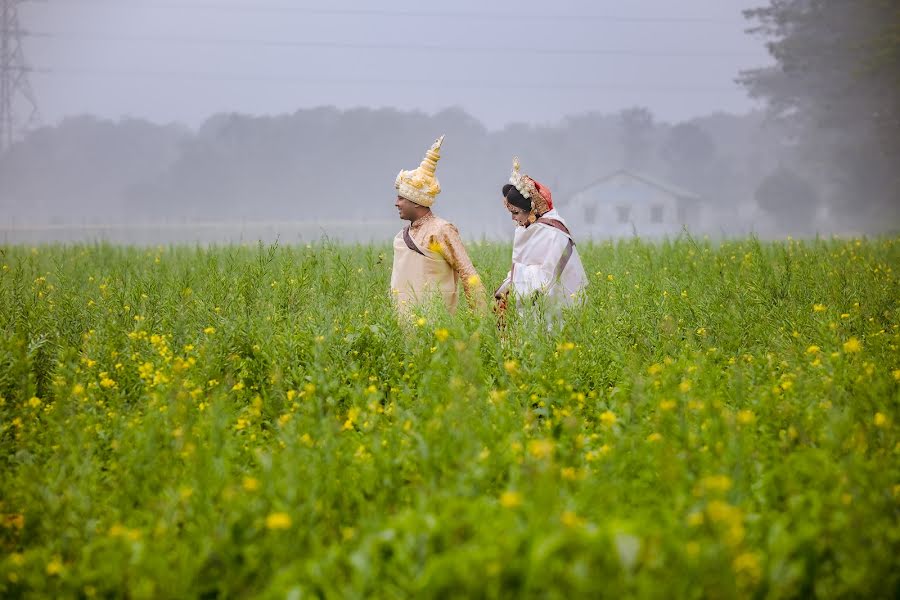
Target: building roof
(665, 187)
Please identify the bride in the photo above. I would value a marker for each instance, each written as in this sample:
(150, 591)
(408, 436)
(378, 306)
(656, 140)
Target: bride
(546, 270)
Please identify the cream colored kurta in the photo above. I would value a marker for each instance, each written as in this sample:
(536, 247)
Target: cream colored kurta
(417, 279)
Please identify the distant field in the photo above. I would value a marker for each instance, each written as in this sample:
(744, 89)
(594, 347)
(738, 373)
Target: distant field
(718, 421)
(151, 234)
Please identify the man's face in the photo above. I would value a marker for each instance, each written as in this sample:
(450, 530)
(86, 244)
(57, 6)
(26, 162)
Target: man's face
(407, 208)
(518, 215)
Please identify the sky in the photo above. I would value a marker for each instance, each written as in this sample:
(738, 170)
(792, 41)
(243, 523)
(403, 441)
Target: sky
(503, 62)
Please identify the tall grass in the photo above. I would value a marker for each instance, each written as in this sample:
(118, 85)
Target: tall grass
(718, 420)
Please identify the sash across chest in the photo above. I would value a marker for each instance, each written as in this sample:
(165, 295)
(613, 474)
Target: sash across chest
(407, 239)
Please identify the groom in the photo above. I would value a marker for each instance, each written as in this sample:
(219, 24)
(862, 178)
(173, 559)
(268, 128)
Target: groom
(429, 257)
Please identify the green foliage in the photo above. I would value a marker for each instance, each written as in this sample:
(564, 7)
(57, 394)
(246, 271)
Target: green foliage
(835, 85)
(717, 420)
(788, 195)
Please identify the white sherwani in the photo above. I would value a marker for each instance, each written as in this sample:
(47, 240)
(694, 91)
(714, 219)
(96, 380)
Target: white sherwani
(538, 255)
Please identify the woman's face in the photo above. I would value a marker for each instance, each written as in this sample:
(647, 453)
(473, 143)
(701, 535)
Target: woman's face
(519, 215)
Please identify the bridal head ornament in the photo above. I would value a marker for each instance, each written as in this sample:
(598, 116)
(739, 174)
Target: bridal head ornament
(420, 185)
(538, 195)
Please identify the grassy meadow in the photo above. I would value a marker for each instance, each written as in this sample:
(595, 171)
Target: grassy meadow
(719, 420)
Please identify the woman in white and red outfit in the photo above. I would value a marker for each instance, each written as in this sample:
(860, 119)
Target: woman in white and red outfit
(546, 269)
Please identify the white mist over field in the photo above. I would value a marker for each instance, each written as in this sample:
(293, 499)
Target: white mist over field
(231, 121)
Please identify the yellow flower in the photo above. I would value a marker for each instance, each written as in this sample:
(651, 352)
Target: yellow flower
(278, 520)
(251, 484)
(896, 374)
(540, 448)
(510, 499)
(654, 437)
(813, 349)
(569, 473)
(852, 346)
(570, 519)
(511, 366)
(209, 330)
(819, 308)
(55, 566)
(722, 512)
(609, 277)
(713, 483)
(746, 417)
(420, 321)
(474, 280)
(600, 452)
(685, 386)
(667, 405)
(352, 416)
(747, 565)
(435, 246)
(441, 334)
(34, 402)
(880, 420)
(608, 418)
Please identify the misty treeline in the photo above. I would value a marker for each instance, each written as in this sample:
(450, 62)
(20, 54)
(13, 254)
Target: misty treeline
(328, 164)
(823, 157)
(834, 91)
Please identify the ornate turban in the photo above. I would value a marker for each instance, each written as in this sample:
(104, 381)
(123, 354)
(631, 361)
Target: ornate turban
(420, 185)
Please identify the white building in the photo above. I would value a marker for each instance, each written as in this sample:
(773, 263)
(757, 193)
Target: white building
(626, 203)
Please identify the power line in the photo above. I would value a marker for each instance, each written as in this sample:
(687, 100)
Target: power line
(404, 13)
(112, 37)
(375, 82)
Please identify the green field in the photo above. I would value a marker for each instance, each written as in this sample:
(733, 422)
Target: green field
(719, 420)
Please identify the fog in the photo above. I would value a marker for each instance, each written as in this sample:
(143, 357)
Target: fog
(167, 121)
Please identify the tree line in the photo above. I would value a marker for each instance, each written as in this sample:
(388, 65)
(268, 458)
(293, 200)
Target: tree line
(823, 155)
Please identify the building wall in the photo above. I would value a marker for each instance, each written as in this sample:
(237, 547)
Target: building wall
(621, 205)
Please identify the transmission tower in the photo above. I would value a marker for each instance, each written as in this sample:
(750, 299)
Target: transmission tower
(13, 75)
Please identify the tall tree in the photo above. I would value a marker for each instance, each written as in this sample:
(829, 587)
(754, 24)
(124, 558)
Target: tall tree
(835, 86)
(786, 195)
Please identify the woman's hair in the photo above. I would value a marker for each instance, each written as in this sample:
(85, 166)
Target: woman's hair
(515, 197)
